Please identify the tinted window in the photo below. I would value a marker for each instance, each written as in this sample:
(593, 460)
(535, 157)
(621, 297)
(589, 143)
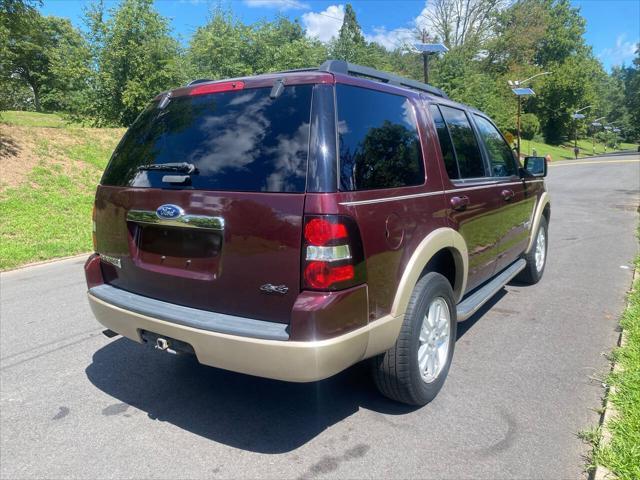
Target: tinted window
(241, 140)
(448, 155)
(379, 143)
(470, 161)
(500, 156)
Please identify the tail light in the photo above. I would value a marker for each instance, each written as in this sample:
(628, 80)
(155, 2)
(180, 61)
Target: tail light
(332, 253)
(93, 229)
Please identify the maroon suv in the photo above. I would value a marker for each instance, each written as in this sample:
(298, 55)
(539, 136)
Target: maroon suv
(290, 225)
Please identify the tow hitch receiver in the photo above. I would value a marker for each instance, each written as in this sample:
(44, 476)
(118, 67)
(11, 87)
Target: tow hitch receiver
(166, 344)
(163, 344)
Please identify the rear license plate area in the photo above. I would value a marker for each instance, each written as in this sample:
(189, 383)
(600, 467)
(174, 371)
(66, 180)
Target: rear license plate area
(179, 242)
(185, 252)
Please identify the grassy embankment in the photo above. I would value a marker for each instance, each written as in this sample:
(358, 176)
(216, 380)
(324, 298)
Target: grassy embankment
(48, 173)
(621, 455)
(565, 152)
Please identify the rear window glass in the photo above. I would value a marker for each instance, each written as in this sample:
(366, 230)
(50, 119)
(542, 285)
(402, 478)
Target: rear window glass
(239, 141)
(379, 143)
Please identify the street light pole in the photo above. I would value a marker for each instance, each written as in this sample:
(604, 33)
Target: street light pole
(428, 49)
(577, 115)
(594, 125)
(518, 124)
(425, 66)
(516, 87)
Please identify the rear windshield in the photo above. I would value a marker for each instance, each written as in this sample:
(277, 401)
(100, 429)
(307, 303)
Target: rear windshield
(241, 141)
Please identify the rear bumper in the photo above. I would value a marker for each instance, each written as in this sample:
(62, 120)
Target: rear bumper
(295, 361)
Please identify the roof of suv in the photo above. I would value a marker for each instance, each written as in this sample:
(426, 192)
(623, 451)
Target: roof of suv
(325, 73)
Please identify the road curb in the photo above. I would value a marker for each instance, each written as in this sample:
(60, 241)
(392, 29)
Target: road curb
(610, 411)
(45, 262)
(612, 154)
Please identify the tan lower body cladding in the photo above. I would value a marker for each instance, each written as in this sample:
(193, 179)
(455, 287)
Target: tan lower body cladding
(282, 360)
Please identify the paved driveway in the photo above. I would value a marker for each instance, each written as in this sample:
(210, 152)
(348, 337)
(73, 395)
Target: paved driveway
(75, 404)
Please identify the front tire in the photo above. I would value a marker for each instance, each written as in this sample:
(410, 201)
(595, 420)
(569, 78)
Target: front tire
(537, 256)
(414, 370)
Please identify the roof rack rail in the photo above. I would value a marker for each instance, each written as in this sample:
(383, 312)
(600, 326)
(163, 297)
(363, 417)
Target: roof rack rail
(346, 68)
(199, 80)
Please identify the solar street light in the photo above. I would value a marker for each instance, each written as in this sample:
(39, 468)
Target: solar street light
(520, 91)
(427, 49)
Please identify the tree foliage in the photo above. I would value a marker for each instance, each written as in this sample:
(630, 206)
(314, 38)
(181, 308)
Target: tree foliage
(462, 22)
(135, 58)
(45, 54)
(126, 55)
(225, 47)
(350, 44)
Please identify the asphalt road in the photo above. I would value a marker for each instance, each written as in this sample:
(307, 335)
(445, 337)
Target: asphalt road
(75, 404)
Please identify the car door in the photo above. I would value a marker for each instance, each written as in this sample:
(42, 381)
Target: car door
(472, 204)
(513, 223)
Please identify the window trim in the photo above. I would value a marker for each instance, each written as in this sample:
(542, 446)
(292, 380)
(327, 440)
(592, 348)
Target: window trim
(486, 151)
(475, 133)
(453, 148)
(418, 128)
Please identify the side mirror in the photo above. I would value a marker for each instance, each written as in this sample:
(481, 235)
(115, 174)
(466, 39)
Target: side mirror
(535, 166)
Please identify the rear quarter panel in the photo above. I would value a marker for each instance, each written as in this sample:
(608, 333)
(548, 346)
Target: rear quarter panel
(392, 222)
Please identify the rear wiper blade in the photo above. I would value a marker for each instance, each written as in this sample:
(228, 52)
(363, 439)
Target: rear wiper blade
(183, 167)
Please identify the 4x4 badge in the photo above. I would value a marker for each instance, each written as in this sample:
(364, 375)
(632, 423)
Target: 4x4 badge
(268, 288)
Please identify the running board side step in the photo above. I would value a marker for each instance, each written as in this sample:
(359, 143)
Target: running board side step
(473, 302)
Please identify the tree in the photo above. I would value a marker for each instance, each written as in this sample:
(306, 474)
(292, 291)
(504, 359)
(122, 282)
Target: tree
(350, 43)
(462, 22)
(31, 40)
(564, 33)
(573, 85)
(219, 48)
(136, 58)
(518, 33)
(632, 97)
(529, 126)
(281, 45)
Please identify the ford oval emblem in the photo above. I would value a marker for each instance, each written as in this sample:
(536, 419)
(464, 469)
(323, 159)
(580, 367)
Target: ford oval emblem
(169, 211)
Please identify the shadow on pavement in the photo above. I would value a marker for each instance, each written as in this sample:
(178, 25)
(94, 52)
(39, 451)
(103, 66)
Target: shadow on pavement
(251, 413)
(466, 325)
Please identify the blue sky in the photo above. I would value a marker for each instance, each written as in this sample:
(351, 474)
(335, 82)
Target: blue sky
(613, 26)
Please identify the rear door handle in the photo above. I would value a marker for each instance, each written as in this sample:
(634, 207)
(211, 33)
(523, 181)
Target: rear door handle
(459, 203)
(507, 194)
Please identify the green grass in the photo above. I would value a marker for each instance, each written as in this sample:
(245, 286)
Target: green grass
(47, 213)
(622, 454)
(565, 152)
(32, 119)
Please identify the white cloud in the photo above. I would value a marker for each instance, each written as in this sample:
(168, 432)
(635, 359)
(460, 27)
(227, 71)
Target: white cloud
(324, 25)
(623, 51)
(280, 4)
(391, 39)
(403, 37)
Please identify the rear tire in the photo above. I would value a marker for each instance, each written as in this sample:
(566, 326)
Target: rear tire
(537, 256)
(414, 370)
